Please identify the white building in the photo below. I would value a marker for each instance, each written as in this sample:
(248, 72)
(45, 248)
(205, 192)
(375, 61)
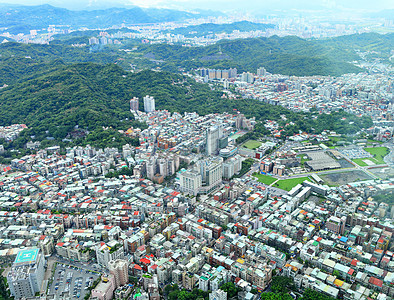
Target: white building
(205, 178)
(190, 182)
(203, 283)
(261, 71)
(218, 295)
(211, 173)
(149, 104)
(212, 140)
(228, 170)
(27, 273)
(134, 104)
(105, 252)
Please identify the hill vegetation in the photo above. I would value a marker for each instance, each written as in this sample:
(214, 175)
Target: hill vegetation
(280, 55)
(55, 99)
(287, 55)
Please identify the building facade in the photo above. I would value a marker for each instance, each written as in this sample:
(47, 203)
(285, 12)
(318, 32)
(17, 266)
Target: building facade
(119, 268)
(27, 273)
(105, 252)
(149, 104)
(134, 104)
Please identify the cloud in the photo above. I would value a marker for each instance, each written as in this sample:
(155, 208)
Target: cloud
(255, 6)
(146, 3)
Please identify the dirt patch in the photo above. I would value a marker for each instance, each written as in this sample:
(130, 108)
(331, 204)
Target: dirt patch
(341, 178)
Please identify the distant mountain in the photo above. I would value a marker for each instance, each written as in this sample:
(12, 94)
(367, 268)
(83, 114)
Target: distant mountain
(386, 14)
(22, 19)
(281, 55)
(288, 55)
(210, 28)
(364, 42)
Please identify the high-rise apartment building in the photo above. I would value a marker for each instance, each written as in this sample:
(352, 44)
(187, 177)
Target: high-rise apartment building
(247, 77)
(134, 104)
(105, 252)
(27, 273)
(213, 135)
(149, 104)
(119, 269)
(261, 71)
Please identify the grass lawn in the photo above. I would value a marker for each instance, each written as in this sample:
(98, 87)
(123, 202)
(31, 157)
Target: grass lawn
(378, 154)
(370, 141)
(303, 160)
(264, 178)
(288, 184)
(360, 161)
(335, 138)
(252, 144)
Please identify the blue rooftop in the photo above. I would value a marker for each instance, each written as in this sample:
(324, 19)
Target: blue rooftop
(220, 268)
(343, 239)
(27, 256)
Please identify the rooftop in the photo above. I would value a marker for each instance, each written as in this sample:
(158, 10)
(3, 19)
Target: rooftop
(26, 256)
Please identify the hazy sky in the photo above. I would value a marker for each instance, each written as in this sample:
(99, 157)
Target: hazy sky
(223, 5)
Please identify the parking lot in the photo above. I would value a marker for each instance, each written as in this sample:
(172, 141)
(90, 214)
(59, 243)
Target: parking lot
(71, 282)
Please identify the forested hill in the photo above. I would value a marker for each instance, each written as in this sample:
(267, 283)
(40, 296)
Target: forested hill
(279, 55)
(288, 55)
(91, 96)
(54, 101)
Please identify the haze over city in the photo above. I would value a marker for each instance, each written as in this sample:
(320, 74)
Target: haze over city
(349, 6)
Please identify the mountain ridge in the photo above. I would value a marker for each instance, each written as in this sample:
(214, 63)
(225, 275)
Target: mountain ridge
(22, 19)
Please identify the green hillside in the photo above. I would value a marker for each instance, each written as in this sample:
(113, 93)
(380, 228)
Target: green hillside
(59, 98)
(53, 103)
(288, 55)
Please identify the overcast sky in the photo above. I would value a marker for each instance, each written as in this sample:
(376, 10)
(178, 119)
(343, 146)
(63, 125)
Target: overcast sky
(223, 5)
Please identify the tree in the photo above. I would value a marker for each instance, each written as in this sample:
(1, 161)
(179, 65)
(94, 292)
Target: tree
(173, 295)
(230, 288)
(4, 291)
(281, 284)
(310, 294)
(273, 296)
(337, 274)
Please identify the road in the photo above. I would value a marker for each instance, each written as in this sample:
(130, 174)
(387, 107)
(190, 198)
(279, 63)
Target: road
(389, 158)
(48, 274)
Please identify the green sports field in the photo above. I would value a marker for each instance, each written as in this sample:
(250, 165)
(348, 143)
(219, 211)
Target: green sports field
(288, 184)
(252, 144)
(264, 178)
